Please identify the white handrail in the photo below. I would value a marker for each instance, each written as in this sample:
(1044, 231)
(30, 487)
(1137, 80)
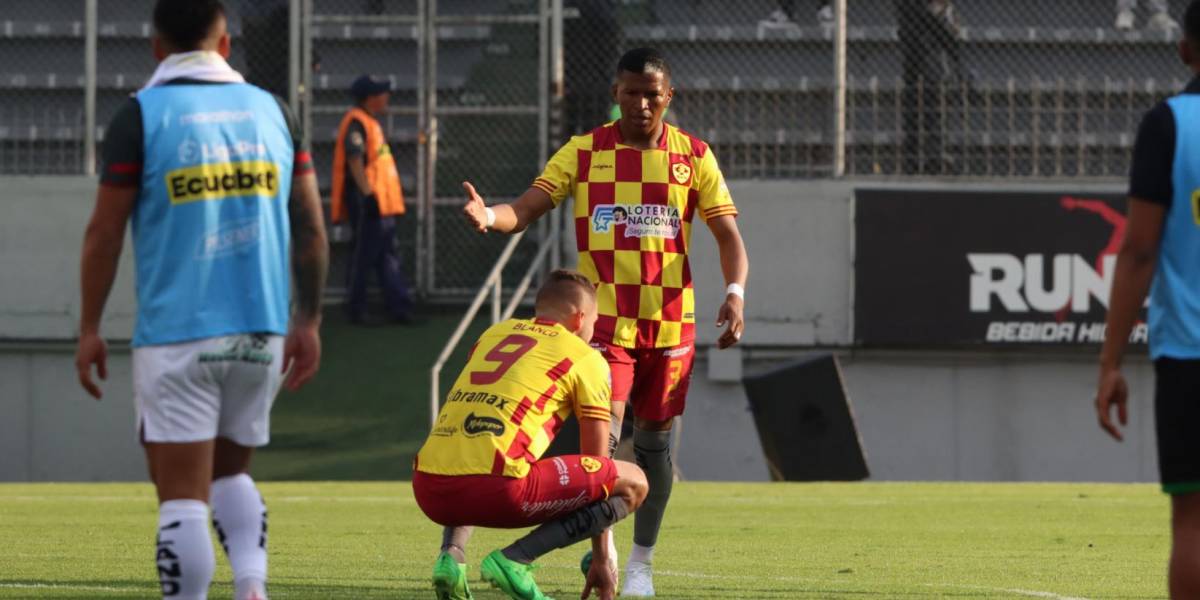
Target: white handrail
(527, 280)
(491, 286)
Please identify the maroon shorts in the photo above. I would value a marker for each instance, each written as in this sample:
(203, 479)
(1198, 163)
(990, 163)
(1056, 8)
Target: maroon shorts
(655, 380)
(554, 487)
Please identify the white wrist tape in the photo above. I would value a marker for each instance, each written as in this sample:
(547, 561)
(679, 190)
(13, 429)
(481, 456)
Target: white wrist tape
(491, 217)
(736, 290)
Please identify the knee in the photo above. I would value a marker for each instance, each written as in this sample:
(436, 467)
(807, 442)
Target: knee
(633, 488)
(651, 425)
(1185, 516)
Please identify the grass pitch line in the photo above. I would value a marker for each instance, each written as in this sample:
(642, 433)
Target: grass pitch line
(785, 579)
(982, 588)
(1018, 592)
(56, 586)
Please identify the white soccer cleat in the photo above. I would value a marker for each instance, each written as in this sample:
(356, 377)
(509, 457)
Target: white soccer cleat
(250, 590)
(639, 580)
(1125, 19)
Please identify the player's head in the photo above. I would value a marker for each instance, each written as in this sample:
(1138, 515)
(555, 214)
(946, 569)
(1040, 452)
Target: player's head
(570, 299)
(643, 89)
(187, 25)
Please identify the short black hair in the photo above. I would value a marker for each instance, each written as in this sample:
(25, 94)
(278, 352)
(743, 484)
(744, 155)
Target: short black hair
(1191, 22)
(564, 286)
(185, 23)
(643, 60)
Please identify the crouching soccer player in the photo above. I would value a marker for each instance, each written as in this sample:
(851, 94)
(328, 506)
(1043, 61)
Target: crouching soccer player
(480, 465)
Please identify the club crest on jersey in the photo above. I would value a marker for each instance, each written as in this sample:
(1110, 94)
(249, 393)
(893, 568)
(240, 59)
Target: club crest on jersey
(590, 464)
(640, 220)
(682, 173)
(475, 425)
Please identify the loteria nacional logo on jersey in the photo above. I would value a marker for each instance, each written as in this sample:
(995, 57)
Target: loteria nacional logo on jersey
(640, 220)
(218, 181)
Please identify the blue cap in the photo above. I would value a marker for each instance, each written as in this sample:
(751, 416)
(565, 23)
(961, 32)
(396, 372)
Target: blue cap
(367, 85)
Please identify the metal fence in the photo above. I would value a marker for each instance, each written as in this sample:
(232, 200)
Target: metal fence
(484, 90)
(42, 87)
(1020, 88)
(970, 88)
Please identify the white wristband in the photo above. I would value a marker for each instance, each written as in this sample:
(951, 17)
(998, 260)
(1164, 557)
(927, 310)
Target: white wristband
(736, 290)
(491, 217)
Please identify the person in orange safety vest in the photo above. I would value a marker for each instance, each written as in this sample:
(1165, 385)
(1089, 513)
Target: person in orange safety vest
(367, 192)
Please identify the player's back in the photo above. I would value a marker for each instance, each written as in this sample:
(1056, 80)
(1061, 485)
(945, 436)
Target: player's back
(522, 381)
(211, 226)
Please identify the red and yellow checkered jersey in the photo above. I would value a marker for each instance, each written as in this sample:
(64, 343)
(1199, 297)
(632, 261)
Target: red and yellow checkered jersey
(633, 224)
(522, 381)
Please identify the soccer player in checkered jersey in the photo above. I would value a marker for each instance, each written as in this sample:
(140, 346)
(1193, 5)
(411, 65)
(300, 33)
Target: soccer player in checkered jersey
(639, 184)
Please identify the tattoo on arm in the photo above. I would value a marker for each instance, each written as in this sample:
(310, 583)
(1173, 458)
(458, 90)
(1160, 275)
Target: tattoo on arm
(310, 247)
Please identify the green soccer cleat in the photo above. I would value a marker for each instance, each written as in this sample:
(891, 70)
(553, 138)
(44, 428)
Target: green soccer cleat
(511, 577)
(450, 579)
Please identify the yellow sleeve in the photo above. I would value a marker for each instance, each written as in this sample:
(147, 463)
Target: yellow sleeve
(592, 388)
(558, 178)
(715, 200)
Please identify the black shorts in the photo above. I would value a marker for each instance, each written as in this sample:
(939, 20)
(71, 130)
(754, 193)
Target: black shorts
(1177, 423)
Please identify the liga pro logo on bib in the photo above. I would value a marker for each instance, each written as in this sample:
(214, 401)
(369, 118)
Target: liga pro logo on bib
(218, 181)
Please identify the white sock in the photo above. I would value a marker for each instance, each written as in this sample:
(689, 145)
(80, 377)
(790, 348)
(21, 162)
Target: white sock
(240, 518)
(185, 553)
(642, 554)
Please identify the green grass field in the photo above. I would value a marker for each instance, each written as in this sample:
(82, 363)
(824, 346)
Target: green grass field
(727, 541)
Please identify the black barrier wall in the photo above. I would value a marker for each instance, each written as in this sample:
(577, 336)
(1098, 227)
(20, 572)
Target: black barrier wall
(805, 422)
(936, 268)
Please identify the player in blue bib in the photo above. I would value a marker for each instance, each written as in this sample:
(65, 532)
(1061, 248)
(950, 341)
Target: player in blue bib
(1161, 256)
(221, 196)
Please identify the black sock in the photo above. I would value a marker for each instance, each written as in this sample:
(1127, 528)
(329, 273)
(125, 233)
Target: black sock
(653, 452)
(580, 525)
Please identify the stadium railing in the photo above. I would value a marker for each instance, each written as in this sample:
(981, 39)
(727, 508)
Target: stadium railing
(492, 288)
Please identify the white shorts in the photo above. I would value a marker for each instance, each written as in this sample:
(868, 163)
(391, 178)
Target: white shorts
(210, 388)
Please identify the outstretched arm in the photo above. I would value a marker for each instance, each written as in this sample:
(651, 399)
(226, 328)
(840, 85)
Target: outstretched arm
(509, 218)
(735, 265)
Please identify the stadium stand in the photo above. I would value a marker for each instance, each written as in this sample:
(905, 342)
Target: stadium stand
(1042, 97)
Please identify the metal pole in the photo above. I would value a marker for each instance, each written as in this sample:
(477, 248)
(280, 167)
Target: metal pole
(543, 94)
(434, 391)
(424, 212)
(556, 86)
(429, 32)
(306, 74)
(294, 54)
(496, 299)
(472, 311)
(89, 87)
(839, 100)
